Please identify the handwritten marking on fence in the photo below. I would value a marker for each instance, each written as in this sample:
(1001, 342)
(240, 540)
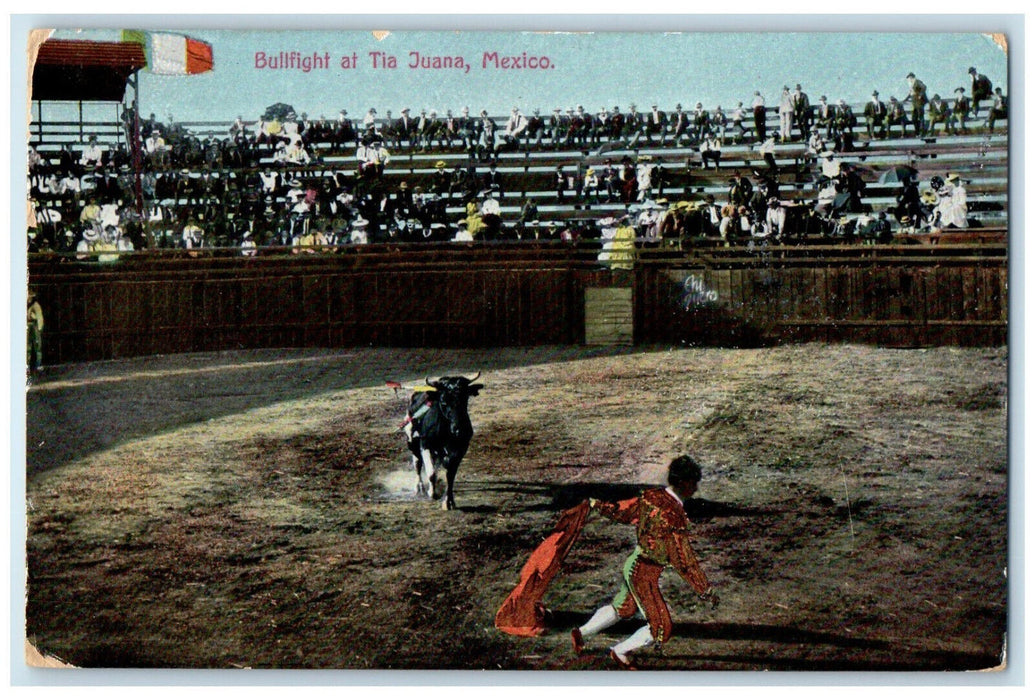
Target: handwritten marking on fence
(696, 294)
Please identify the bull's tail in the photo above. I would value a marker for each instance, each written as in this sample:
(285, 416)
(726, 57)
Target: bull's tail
(522, 613)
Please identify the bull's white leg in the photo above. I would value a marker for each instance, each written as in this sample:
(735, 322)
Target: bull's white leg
(428, 471)
(415, 463)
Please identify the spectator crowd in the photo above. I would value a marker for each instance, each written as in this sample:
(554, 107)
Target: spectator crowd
(305, 185)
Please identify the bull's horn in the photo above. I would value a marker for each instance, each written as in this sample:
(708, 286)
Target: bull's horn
(427, 380)
(475, 377)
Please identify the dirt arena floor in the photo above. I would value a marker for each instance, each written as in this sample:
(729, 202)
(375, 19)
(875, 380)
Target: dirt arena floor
(255, 509)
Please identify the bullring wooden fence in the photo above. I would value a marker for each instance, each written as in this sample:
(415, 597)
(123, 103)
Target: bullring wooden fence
(455, 295)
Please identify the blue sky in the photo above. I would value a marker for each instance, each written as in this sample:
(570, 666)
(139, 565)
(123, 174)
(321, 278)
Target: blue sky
(600, 69)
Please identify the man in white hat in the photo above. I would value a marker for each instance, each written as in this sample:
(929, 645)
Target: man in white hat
(359, 234)
(157, 150)
(88, 243)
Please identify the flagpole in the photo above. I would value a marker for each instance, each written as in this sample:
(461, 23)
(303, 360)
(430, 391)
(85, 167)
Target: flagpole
(138, 187)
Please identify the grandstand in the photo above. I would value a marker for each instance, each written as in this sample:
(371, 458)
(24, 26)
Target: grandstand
(565, 234)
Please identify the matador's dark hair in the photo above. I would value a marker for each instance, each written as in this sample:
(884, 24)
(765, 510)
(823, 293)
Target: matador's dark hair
(684, 468)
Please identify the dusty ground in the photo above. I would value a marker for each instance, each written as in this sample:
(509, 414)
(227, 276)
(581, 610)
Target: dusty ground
(254, 509)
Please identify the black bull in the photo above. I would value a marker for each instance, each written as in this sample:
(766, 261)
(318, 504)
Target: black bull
(438, 433)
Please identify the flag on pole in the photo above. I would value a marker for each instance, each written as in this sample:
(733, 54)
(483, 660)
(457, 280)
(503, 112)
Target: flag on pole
(172, 54)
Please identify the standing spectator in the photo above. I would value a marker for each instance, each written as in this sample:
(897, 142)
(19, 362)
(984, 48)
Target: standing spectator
(802, 111)
(958, 114)
(918, 99)
(34, 336)
(758, 111)
(937, 113)
(997, 110)
(786, 112)
(876, 114)
(980, 88)
(711, 150)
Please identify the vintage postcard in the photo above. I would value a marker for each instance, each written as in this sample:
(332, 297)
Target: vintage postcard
(481, 350)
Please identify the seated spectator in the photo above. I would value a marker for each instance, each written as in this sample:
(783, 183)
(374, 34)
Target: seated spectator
(767, 149)
(591, 187)
(516, 126)
(157, 150)
(775, 219)
(829, 166)
(359, 235)
(644, 178)
(656, 125)
(876, 114)
(937, 113)
(462, 235)
(719, 122)
(192, 236)
(93, 154)
(951, 211)
(997, 110)
(248, 245)
(711, 150)
(815, 145)
(958, 113)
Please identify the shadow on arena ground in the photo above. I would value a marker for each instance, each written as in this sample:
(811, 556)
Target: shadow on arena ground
(73, 410)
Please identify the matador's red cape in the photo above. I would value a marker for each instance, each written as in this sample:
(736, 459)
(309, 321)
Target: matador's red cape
(522, 613)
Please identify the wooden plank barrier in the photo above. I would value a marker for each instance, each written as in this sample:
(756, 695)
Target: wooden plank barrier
(484, 297)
